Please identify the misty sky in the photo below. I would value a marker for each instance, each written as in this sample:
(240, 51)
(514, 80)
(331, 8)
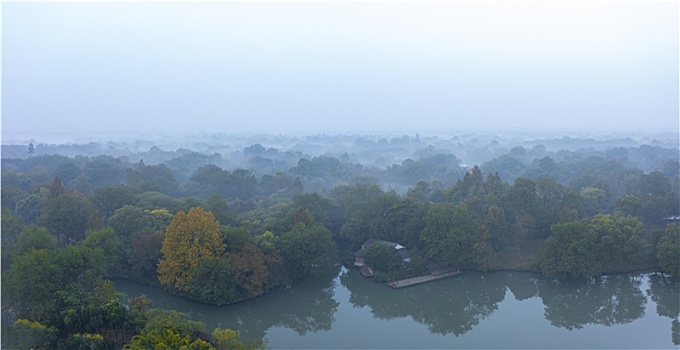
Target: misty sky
(337, 67)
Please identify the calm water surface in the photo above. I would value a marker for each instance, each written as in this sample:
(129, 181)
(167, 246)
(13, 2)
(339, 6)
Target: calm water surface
(475, 310)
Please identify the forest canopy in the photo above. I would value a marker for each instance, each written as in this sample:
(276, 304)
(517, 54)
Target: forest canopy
(222, 230)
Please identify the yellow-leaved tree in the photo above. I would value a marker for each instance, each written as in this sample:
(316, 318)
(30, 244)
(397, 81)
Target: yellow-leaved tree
(190, 238)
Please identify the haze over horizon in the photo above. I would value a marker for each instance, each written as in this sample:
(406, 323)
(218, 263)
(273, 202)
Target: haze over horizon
(227, 67)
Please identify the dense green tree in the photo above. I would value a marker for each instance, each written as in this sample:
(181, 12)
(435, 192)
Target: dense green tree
(497, 225)
(405, 221)
(549, 196)
(227, 339)
(266, 241)
(30, 207)
(570, 251)
(104, 171)
(467, 188)
(223, 212)
(520, 202)
(30, 286)
(161, 319)
(448, 234)
(594, 200)
(649, 185)
(242, 184)
(475, 205)
(129, 221)
(157, 200)
(155, 178)
(82, 185)
(649, 196)
(506, 166)
(142, 258)
(38, 176)
(306, 250)
(11, 196)
(494, 188)
(56, 189)
(658, 208)
(323, 210)
(483, 249)
(41, 282)
(205, 180)
(215, 282)
(428, 167)
(235, 237)
(422, 191)
(66, 215)
(366, 208)
(34, 237)
(167, 340)
(169, 329)
(11, 226)
(593, 246)
(261, 164)
(321, 166)
(25, 334)
(630, 205)
(210, 179)
(160, 218)
(353, 199)
(183, 165)
(668, 250)
(111, 198)
(107, 240)
(11, 178)
(382, 257)
(68, 173)
(619, 240)
(280, 185)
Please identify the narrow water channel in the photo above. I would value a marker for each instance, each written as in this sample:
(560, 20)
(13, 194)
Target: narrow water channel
(342, 309)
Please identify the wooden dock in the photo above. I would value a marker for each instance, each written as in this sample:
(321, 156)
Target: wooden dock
(422, 279)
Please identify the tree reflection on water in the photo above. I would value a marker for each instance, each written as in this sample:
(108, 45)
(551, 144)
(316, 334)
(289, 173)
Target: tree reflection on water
(442, 308)
(453, 306)
(606, 300)
(308, 309)
(309, 306)
(665, 292)
(449, 307)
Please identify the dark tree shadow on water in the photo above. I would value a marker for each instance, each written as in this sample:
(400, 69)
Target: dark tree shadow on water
(665, 292)
(307, 306)
(445, 306)
(606, 300)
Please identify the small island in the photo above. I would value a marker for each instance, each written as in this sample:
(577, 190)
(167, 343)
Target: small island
(385, 257)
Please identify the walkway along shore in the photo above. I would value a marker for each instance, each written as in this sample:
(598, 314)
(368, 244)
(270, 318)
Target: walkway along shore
(407, 282)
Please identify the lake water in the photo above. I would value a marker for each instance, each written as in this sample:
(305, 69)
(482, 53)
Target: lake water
(344, 310)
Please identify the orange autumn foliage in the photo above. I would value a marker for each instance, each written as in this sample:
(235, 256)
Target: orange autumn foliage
(190, 238)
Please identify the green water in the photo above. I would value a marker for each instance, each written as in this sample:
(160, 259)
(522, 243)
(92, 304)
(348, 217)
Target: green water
(475, 310)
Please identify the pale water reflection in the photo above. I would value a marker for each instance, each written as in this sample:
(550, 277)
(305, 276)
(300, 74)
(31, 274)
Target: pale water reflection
(475, 310)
